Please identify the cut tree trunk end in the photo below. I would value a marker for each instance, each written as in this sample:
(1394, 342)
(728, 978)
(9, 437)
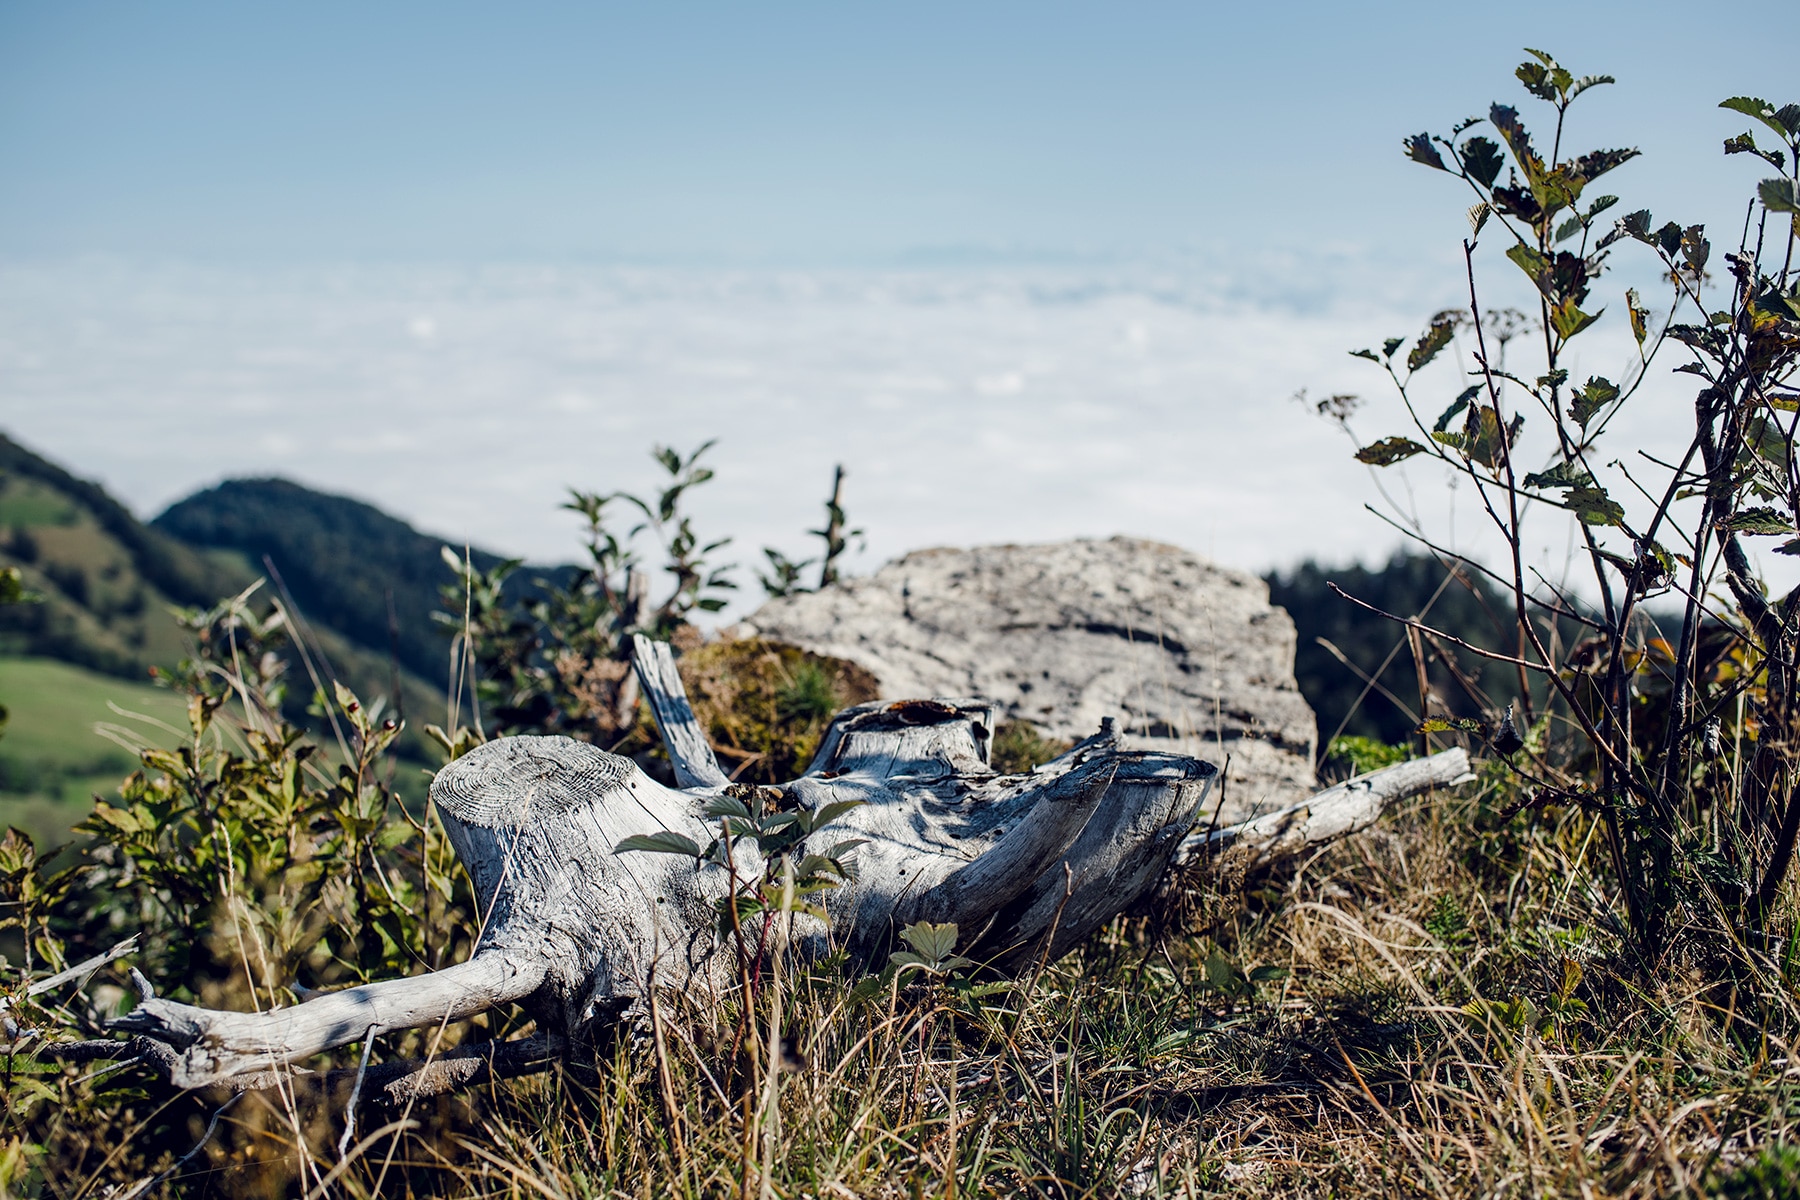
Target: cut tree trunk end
(1026, 866)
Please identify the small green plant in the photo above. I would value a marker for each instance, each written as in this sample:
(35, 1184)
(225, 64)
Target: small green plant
(555, 657)
(1448, 922)
(790, 876)
(1019, 746)
(1773, 1174)
(785, 575)
(1233, 984)
(1365, 754)
(933, 950)
(1639, 713)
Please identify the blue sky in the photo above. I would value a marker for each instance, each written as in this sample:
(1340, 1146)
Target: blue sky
(804, 133)
(1029, 271)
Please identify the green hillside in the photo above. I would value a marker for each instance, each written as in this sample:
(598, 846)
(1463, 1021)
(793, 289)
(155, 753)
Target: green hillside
(52, 758)
(367, 575)
(108, 583)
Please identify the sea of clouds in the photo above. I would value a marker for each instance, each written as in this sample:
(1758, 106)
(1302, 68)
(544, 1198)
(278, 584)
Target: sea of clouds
(969, 403)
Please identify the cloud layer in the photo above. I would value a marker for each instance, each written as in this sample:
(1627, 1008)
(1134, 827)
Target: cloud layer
(968, 406)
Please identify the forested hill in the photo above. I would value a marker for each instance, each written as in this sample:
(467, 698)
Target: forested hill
(106, 579)
(106, 583)
(370, 576)
(1461, 602)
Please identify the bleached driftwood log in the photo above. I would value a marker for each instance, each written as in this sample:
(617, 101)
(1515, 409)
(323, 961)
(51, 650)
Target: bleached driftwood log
(1025, 865)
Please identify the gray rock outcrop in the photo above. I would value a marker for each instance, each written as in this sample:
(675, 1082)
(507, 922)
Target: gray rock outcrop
(1187, 656)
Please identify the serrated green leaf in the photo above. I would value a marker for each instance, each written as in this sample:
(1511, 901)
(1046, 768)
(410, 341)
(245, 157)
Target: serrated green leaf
(1389, 451)
(1587, 81)
(1536, 79)
(1594, 396)
(1592, 506)
(666, 842)
(1482, 160)
(1430, 344)
(1420, 150)
(1765, 112)
(1777, 195)
(1535, 265)
(933, 941)
(1389, 345)
(1505, 119)
(825, 814)
(1568, 320)
(727, 806)
(1456, 406)
(1562, 475)
(1758, 522)
(1478, 215)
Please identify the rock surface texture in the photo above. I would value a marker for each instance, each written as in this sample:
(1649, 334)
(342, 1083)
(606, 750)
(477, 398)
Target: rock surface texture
(1190, 657)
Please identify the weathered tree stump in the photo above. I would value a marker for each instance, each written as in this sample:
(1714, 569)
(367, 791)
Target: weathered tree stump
(1026, 866)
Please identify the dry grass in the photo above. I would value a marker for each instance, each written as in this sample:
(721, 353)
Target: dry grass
(1147, 1064)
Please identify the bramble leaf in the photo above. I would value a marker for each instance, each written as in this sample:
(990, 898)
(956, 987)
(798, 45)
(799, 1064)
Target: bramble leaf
(1389, 451)
(1481, 158)
(1430, 344)
(1562, 475)
(1505, 118)
(1592, 506)
(1483, 440)
(727, 806)
(1777, 195)
(1594, 396)
(1389, 345)
(1531, 262)
(1595, 163)
(1568, 320)
(1456, 406)
(1758, 522)
(1536, 79)
(1786, 122)
(934, 942)
(666, 842)
(1420, 150)
(1587, 81)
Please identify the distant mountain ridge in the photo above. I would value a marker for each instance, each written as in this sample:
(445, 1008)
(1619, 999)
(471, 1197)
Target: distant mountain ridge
(370, 576)
(107, 580)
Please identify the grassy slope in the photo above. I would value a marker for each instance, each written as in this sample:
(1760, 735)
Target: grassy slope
(52, 761)
(108, 582)
(1147, 1064)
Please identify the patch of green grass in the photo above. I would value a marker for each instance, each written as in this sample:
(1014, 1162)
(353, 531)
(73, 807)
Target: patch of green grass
(26, 502)
(1019, 746)
(52, 760)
